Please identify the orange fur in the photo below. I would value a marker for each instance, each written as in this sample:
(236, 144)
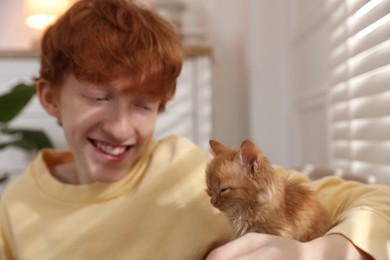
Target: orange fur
(244, 185)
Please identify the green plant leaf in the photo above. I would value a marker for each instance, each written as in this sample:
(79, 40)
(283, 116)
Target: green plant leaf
(27, 139)
(13, 102)
(3, 178)
(22, 144)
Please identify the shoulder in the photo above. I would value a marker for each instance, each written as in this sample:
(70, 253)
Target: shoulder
(25, 183)
(173, 158)
(17, 186)
(176, 142)
(177, 147)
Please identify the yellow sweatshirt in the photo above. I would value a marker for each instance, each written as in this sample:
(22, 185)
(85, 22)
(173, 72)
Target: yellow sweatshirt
(158, 211)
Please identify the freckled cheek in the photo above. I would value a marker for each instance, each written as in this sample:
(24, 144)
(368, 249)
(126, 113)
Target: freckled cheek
(145, 124)
(85, 119)
(78, 122)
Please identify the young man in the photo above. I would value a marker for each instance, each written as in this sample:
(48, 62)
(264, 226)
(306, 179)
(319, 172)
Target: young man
(107, 69)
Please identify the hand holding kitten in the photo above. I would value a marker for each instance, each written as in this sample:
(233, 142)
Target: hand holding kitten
(254, 246)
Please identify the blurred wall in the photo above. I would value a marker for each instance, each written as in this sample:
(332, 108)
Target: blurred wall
(271, 76)
(269, 83)
(14, 34)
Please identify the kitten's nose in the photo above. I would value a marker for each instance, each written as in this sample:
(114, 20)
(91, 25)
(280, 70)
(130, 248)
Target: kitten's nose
(212, 201)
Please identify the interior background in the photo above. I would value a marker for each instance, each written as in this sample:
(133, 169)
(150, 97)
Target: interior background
(270, 69)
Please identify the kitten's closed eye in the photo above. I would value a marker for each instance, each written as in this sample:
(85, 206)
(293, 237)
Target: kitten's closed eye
(224, 190)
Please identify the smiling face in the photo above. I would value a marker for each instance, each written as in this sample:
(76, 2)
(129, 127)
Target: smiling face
(107, 127)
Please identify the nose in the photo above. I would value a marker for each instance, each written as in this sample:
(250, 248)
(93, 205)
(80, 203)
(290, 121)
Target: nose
(213, 201)
(119, 126)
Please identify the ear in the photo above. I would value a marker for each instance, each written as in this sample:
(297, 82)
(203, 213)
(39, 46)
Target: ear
(249, 156)
(218, 148)
(48, 97)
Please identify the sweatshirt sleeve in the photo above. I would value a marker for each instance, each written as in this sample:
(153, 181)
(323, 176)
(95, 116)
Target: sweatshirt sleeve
(360, 212)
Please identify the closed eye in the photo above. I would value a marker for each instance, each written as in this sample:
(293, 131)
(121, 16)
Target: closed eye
(146, 103)
(144, 106)
(224, 190)
(101, 99)
(93, 97)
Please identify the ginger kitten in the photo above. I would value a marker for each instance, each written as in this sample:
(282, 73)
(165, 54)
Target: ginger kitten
(244, 185)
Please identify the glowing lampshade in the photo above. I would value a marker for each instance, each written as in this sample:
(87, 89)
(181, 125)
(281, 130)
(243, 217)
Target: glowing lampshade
(40, 13)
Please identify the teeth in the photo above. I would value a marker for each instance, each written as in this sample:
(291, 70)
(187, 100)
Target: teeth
(110, 149)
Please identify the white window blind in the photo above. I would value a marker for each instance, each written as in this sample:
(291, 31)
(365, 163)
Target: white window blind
(359, 97)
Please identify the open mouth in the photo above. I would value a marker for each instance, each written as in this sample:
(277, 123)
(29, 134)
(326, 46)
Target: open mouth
(113, 150)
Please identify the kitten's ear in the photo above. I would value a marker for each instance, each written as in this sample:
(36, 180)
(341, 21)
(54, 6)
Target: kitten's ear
(249, 155)
(218, 148)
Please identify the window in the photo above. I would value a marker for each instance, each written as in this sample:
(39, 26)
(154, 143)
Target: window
(359, 97)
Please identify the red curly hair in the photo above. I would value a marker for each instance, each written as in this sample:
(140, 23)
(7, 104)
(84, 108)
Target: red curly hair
(101, 40)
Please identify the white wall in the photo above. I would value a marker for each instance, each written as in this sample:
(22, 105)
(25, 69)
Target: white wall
(271, 77)
(309, 63)
(225, 24)
(269, 83)
(14, 34)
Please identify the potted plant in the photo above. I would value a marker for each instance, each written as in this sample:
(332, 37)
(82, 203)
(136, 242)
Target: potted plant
(27, 139)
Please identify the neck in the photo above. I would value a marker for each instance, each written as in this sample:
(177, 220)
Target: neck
(67, 173)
